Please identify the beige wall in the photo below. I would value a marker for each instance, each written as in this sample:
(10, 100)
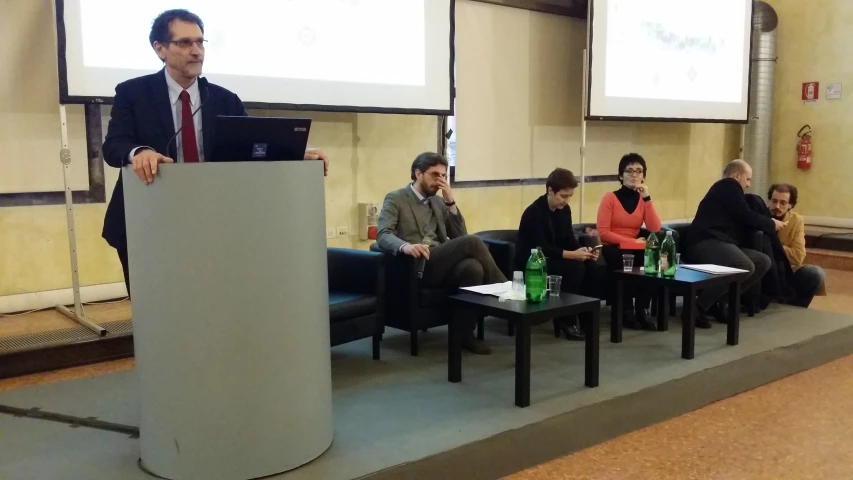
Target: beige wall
(371, 155)
(813, 44)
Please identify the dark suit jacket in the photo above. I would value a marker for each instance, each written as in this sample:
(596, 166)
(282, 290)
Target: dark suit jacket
(724, 215)
(776, 283)
(142, 116)
(540, 227)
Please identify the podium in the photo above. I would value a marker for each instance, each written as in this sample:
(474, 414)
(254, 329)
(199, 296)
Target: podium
(230, 317)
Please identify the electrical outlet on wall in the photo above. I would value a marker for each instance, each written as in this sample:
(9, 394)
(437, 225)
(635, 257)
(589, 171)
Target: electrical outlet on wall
(330, 232)
(343, 231)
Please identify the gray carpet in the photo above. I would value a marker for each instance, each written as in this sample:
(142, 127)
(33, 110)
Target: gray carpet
(401, 417)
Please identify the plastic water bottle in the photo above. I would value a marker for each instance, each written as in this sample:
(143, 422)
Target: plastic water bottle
(535, 279)
(667, 256)
(652, 255)
(543, 258)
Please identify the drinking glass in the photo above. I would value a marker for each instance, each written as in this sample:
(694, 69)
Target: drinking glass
(628, 262)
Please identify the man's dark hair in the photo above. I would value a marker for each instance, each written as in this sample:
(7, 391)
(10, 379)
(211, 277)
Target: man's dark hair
(160, 28)
(561, 179)
(784, 188)
(630, 159)
(427, 160)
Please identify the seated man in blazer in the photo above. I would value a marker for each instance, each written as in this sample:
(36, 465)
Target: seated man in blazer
(415, 221)
(149, 110)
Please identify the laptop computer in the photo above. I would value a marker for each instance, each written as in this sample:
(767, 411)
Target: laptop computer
(259, 139)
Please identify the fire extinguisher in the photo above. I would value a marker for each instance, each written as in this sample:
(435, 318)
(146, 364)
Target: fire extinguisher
(804, 148)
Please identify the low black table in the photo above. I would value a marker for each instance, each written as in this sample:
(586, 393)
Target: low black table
(468, 306)
(686, 282)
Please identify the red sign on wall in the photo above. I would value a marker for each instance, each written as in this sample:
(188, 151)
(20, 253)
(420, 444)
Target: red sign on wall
(811, 91)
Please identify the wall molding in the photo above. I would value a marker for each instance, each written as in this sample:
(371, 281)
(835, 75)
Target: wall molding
(567, 8)
(39, 300)
(829, 222)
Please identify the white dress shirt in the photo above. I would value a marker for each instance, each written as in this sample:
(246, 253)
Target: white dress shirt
(175, 101)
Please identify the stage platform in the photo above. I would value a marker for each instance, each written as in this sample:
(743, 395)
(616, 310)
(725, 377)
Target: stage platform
(400, 418)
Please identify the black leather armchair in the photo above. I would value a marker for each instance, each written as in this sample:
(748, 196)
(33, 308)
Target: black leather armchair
(356, 296)
(411, 306)
(502, 243)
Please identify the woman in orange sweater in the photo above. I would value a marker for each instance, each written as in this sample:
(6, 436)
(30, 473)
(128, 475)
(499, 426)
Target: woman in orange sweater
(620, 216)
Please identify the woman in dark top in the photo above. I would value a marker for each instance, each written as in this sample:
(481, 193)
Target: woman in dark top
(547, 223)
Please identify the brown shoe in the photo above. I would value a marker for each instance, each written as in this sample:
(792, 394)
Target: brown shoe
(477, 347)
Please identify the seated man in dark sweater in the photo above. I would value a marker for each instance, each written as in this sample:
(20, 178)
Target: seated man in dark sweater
(723, 223)
(547, 223)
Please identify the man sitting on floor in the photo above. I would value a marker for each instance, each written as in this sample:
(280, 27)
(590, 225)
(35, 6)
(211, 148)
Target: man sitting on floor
(723, 222)
(807, 280)
(415, 221)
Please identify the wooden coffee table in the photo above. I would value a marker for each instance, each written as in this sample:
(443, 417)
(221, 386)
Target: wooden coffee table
(468, 306)
(686, 282)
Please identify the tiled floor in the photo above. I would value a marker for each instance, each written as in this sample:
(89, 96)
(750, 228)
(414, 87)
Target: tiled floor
(797, 428)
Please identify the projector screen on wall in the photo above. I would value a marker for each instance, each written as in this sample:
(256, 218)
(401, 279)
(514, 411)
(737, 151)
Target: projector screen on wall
(344, 55)
(669, 60)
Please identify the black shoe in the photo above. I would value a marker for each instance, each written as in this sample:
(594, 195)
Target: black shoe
(475, 346)
(629, 320)
(718, 312)
(702, 321)
(643, 321)
(569, 329)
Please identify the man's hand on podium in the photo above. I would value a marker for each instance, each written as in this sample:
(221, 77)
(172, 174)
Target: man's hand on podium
(317, 154)
(145, 164)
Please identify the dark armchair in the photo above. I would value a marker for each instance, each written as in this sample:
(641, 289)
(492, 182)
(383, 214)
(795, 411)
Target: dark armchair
(409, 305)
(356, 296)
(502, 243)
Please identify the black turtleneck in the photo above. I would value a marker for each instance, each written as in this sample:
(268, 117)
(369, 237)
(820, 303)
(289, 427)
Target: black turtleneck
(629, 198)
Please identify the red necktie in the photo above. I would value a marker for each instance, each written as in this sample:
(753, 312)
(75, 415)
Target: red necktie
(188, 141)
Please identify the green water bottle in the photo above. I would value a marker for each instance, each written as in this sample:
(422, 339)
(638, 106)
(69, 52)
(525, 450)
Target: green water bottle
(543, 258)
(667, 255)
(652, 255)
(534, 278)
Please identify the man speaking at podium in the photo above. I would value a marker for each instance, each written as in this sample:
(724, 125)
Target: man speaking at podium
(166, 116)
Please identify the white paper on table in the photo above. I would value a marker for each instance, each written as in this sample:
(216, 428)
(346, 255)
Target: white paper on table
(714, 269)
(495, 289)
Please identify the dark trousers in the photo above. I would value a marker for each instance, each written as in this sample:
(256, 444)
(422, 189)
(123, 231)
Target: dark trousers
(462, 262)
(806, 281)
(580, 278)
(716, 252)
(641, 293)
(122, 257)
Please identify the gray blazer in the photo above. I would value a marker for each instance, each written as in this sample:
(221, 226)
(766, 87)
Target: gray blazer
(398, 224)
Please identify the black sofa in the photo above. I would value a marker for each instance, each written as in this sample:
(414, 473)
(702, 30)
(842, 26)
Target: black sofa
(502, 243)
(356, 296)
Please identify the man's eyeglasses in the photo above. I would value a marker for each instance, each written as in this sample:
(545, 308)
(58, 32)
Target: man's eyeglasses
(187, 43)
(438, 175)
(633, 171)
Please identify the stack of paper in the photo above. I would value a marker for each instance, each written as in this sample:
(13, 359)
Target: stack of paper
(714, 269)
(495, 289)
